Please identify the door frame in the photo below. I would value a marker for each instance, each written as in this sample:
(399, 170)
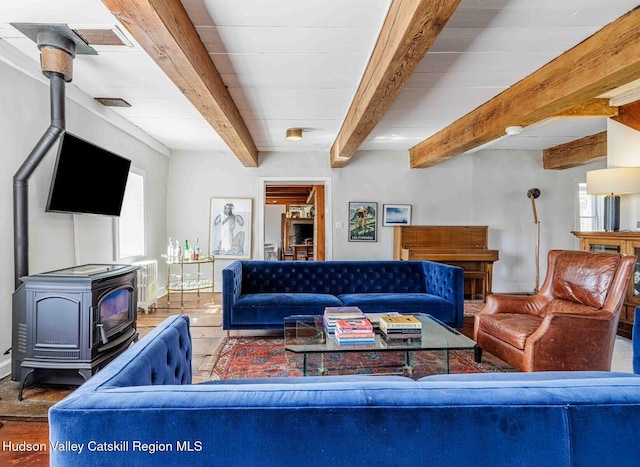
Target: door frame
(326, 181)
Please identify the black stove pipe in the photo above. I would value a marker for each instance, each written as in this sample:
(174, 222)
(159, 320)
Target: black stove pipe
(21, 177)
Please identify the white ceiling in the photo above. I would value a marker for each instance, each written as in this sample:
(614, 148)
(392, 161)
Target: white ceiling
(297, 63)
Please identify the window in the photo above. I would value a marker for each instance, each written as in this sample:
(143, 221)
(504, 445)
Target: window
(130, 226)
(590, 217)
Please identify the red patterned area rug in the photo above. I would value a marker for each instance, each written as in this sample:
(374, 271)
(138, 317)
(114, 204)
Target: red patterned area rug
(471, 307)
(260, 357)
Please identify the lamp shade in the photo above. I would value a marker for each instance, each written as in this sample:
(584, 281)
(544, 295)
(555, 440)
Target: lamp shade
(617, 180)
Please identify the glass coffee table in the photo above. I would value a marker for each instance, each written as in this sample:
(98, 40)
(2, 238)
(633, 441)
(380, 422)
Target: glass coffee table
(306, 335)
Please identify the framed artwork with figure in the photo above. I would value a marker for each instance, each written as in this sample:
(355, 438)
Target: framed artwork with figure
(230, 228)
(362, 221)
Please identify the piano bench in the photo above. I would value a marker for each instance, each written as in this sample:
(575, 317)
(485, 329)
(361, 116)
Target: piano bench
(474, 277)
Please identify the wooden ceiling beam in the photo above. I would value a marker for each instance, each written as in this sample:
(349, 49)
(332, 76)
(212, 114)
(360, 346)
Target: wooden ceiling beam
(629, 114)
(606, 60)
(288, 194)
(313, 193)
(591, 108)
(409, 30)
(591, 148)
(289, 188)
(165, 32)
(286, 201)
(583, 151)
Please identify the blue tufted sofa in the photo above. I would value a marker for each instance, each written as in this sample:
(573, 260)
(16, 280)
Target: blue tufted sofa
(141, 410)
(260, 294)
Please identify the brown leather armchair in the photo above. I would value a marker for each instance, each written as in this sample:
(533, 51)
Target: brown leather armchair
(570, 324)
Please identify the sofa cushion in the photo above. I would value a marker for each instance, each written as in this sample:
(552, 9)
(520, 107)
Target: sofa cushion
(402, 303)
(558, 306)
(271, 308)
(512, 328)
(584, 279)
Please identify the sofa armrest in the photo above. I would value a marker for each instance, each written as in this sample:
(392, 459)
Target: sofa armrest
(585, 341)
(636, 341)
(162, 357)
(447, 282)
(530, 304)
(231, 290)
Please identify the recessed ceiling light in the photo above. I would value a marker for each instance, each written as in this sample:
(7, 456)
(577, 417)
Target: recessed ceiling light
(294, 134)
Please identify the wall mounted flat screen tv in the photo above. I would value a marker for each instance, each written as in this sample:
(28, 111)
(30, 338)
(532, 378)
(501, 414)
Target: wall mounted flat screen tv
(87, 179)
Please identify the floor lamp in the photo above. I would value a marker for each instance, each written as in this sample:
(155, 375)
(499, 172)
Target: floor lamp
(612, 183)
(532, 194)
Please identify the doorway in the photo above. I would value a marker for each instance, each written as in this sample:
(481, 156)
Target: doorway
(293, 219)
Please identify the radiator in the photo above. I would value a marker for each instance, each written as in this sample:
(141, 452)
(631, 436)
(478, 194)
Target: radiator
(147, 284)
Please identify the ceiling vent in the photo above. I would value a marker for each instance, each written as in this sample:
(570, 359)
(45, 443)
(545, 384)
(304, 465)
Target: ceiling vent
(103, 36)
(113, 102)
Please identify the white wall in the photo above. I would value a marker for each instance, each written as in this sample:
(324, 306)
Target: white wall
(486, 188)
(24, 117)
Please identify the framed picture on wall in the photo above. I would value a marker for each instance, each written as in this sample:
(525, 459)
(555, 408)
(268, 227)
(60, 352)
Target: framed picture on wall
(396, 214)
(230, 228)
(362, 221)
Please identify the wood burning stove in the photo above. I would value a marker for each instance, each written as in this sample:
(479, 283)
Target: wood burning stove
(69, 323)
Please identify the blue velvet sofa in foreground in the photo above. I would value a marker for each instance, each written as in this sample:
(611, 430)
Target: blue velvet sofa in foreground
(260, 294)
(142, 410)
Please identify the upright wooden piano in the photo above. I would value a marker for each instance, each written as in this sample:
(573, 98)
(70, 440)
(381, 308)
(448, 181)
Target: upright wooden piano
(461, 245)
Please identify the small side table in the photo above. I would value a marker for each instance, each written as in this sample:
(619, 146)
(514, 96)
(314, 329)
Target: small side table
(181, 284)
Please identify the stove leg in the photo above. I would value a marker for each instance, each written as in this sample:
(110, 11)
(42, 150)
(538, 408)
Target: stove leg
(23, 380)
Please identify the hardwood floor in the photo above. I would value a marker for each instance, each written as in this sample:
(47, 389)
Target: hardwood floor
(26, 421)
(35, 434)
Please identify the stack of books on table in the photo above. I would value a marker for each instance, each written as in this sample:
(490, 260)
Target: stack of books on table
(333, 313)
(354, 331)
(400, 327)
(375, 317)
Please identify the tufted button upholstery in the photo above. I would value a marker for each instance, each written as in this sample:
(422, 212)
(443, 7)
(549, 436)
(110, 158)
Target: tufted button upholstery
(164, 357)
(333, 277)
